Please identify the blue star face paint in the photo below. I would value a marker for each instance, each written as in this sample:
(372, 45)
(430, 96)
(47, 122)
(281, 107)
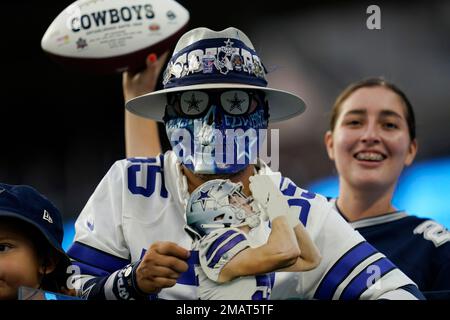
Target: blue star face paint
(213, 139)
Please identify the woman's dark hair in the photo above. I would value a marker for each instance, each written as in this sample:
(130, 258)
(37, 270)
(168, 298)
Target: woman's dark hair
(374, 82)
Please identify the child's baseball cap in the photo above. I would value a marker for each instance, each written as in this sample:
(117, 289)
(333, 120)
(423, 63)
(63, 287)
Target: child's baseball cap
(25, 203)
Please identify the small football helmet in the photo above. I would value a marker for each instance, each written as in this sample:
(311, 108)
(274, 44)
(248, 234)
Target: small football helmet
(219, 204)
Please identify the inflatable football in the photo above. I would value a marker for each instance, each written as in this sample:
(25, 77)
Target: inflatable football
(106, 36)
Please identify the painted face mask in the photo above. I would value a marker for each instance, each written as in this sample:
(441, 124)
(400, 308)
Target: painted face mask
(216, 132)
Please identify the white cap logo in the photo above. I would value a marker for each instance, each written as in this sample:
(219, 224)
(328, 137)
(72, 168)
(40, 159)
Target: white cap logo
(47, 217)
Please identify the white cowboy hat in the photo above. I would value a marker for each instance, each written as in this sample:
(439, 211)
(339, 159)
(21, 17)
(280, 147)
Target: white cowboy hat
(207, 59)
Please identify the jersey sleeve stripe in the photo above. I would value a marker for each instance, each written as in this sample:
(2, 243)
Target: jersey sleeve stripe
(98, 259)
(290, 190)
(218, 242)
(414, 290)
(188, 277)
(108, 289)
(359, 283)
(408, 292)
(228, 246)
(342, 268)
(301, 203)
(143, 160)
(87, 269)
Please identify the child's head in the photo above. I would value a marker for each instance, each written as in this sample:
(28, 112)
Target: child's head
(31, 234)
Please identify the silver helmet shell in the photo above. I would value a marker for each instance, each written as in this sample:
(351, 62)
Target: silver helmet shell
(218, 204)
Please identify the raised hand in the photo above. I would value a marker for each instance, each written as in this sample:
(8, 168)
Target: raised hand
(268, 196)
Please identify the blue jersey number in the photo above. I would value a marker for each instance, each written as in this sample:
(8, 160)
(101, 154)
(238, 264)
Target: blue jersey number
(301, 202)
(150, 181)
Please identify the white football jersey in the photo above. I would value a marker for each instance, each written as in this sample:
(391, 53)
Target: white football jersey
(142, 200)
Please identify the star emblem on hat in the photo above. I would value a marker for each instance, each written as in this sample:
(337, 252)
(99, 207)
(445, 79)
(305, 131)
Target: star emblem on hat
(229, 43)
(228, 49)
(193, 103)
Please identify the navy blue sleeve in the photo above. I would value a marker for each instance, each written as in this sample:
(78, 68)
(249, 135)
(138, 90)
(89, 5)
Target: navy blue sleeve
(442, 269)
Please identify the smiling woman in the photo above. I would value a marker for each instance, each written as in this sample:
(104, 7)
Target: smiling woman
(371, 140)
(371, 143)
(420, 189)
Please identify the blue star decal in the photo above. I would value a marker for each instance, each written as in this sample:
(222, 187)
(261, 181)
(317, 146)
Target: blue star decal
(203, 197)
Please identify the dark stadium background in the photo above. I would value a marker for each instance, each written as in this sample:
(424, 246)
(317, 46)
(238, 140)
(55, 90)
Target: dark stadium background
(61, 131)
